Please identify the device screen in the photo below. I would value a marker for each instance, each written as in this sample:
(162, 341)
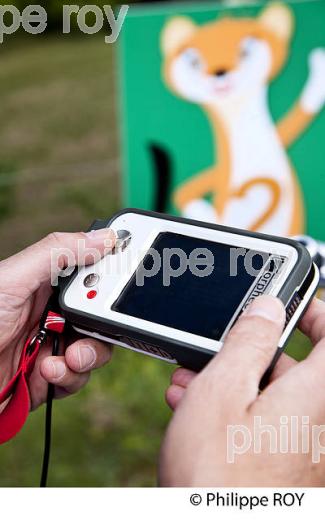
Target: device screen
(191, 284)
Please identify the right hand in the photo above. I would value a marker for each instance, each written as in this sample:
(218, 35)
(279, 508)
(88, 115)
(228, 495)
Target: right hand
(227, 393)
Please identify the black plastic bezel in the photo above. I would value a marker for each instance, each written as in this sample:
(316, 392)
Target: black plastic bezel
(186, 354)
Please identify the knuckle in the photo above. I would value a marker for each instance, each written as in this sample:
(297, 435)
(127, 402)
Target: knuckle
(262, 354)
(211, 381)
(257, 335)
(54, 238)
(266, 336)
(215, 386)
(81, 236)
(254, 329)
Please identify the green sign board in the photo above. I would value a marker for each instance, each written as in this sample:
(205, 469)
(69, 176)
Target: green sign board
(222, 113)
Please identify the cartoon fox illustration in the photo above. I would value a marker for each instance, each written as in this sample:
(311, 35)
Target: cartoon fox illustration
(226, 66)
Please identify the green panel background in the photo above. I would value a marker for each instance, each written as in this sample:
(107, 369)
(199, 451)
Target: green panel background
(150, 113)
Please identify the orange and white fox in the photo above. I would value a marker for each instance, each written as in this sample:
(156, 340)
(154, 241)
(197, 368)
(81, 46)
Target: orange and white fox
(225, 66)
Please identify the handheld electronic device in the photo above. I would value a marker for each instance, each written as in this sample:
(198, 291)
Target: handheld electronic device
(172, 288)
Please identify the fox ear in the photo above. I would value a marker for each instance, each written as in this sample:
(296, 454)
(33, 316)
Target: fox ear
(176, 32)
(278, 18)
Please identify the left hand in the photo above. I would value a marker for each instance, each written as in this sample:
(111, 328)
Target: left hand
(24, 290)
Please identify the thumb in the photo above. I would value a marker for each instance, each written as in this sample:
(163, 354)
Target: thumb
(251, 344)
(43, 261)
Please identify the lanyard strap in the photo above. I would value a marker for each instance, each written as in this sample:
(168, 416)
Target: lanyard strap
(16, 392)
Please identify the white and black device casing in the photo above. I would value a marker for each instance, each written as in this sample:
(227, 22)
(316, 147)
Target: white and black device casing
(95, 318)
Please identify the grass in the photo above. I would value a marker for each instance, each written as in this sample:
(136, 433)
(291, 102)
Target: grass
(59, 170)
(108, 435)
(58, 134)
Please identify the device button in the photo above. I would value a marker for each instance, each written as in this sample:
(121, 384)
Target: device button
(123, 239)
(91, 280)
(91, 295)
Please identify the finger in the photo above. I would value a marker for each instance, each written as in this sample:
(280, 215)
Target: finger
(307, 383)
(87, 354)
(44, 260)
(174, 395)
(183, 377)
(55, 370)
(284, 364)
(313, 322)
(315, 362)
(308, 376)
(38, 385)
(249, 347)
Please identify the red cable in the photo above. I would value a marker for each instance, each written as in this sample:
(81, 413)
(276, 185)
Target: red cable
(15, 413)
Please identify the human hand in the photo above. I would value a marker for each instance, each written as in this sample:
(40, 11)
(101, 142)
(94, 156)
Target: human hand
(195, 451)
(25, 286)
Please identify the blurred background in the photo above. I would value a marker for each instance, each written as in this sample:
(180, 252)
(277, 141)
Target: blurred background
(60, 169)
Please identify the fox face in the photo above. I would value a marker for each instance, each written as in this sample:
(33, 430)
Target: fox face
(227, 59)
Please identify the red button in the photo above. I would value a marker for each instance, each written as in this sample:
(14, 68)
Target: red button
(91, 295)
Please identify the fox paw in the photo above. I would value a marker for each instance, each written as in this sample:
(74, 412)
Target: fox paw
(313, 97)
(200, 209)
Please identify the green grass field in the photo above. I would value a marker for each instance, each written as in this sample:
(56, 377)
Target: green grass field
(58, 139)
(58, 170)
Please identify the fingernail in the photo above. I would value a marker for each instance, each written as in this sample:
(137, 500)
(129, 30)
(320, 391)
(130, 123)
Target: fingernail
(57, 368)
(87, 357)
(266, 307)
(101, 234)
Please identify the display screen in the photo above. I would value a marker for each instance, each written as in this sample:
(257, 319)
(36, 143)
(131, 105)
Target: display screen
(191, 284)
